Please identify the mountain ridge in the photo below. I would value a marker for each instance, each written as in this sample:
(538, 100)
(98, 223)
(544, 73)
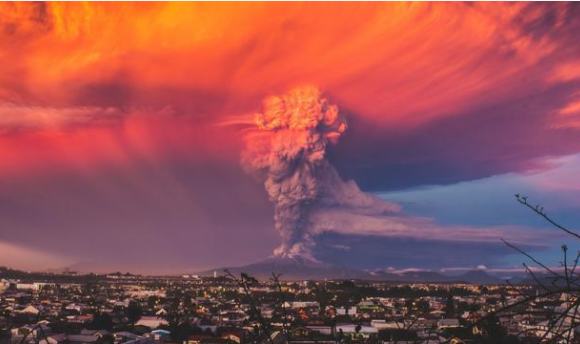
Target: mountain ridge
(298, 268)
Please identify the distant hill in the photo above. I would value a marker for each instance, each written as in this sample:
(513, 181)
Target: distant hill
(299, 269)
(305, 269)
(94, 267)
(544, 278)
(414, 277)
(425, 276)
(81, 267)
(292, 269)
(479, 277)
(54, 277)
(472, 276)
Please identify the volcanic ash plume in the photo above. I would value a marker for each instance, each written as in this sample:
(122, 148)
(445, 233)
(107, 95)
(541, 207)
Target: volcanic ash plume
(289, 152)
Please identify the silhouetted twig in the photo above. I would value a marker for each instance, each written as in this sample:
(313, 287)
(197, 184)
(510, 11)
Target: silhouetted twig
(560, 324)
(244, 282)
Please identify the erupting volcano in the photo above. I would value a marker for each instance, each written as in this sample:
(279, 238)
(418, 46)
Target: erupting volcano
(288, 152)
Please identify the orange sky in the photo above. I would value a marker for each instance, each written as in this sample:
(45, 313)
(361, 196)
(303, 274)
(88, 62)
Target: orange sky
(86, 87)
(68, 65)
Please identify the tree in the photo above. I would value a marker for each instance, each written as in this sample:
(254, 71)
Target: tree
(133, 312)
(245, 282)
(493, 332)
(178, 319)
(101, 321)
(450, 307)
(323, 297)
(152, 301)
(555, 284)
(182, 331)
(397, 335)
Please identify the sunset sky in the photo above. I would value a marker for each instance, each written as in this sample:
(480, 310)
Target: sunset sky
(122, 127)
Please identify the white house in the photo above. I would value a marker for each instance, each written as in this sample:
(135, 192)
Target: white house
(344, 311)
(447, 323)
(30, 310)
(151, 322)
(384, 325)
(54, 339)
(351, 329)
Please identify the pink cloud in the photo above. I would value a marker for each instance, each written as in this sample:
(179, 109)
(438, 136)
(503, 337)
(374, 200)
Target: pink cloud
(33, 259)
(350, 221)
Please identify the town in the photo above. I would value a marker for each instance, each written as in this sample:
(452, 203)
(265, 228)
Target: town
(130, 309)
